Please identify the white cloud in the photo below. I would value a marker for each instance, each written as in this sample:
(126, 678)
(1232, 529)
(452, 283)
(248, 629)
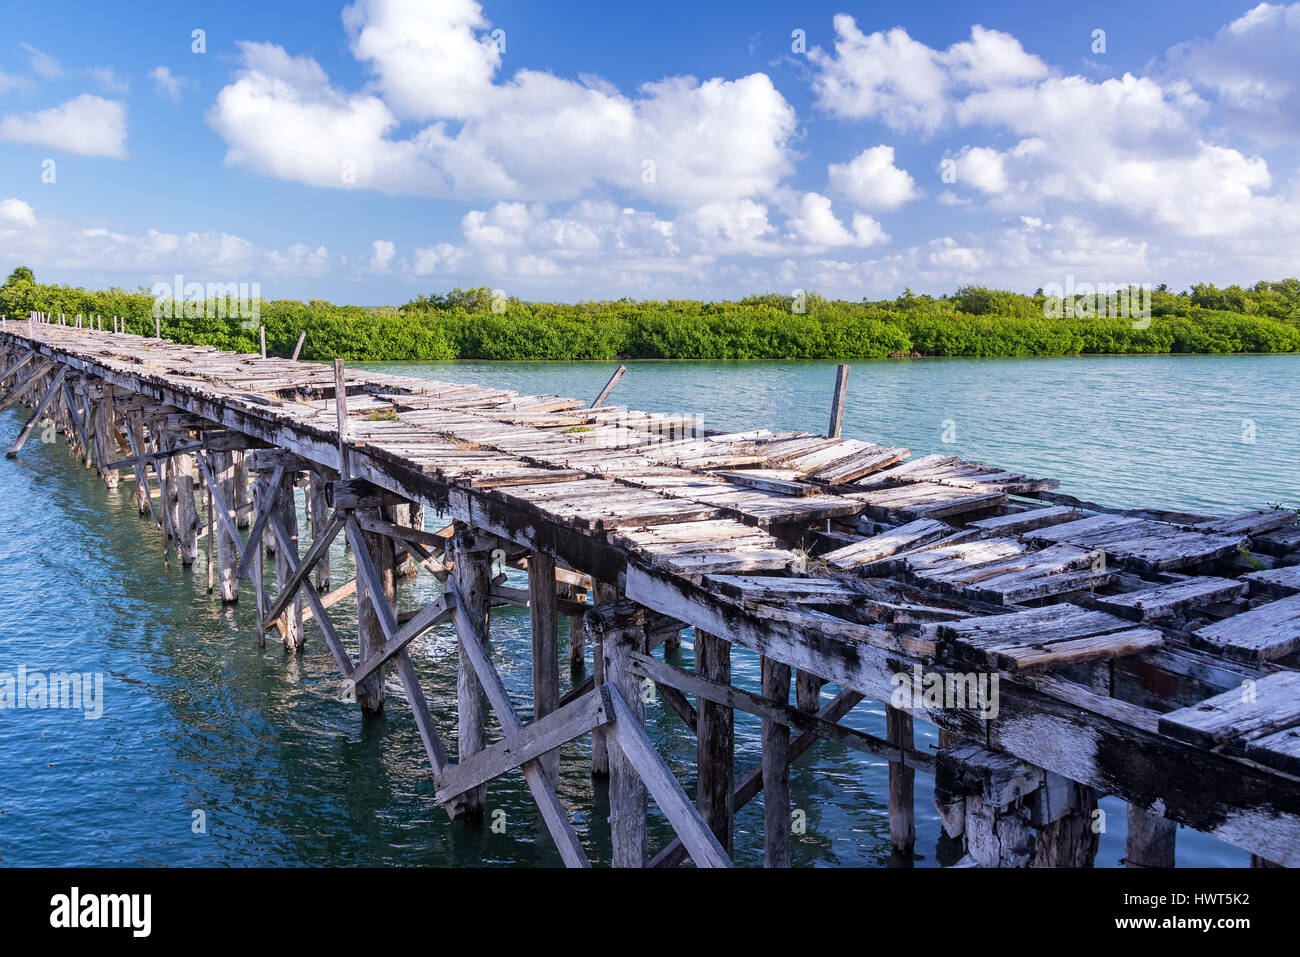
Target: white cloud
(381, 261)
(872, 181)
(17, 213)
(89, 125)
(168, 84)
(1130, 148)
(910, 86)
(815, 223)
(534, 137)
(9, 82)
(1250, 65)
(138, 258)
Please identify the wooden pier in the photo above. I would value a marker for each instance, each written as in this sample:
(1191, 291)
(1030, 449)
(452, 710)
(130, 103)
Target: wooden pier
(1064, 650)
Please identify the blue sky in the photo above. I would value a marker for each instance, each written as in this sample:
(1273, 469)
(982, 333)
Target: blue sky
(366, 153)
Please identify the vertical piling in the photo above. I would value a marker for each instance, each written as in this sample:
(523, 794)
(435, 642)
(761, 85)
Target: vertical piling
(776, 768)
(716, 742)
(546, 653)
(472, 576)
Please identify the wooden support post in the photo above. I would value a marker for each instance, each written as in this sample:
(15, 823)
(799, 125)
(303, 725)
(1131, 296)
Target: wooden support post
(286, 512)
(837, 404)
(627, 792)
(808, 692)
(240, 498)
(181, 470)
(297, 349)
(472, 578)
(1151, 839)
(609, 387)
(577, 641)
(261, 333)
(228, 547)
(546, 653)
(370, 690)
(776, 768)
(104, 417)
(263, 492)
(135, 438)
(899, 730)
(318, 515)
(602, 594)
(715, 790)
(1070, 839)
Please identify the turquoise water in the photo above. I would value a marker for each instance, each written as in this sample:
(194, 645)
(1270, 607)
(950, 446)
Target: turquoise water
(211, 751)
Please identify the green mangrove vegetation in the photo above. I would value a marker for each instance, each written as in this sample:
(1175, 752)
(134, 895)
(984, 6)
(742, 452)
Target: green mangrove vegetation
(470, 324)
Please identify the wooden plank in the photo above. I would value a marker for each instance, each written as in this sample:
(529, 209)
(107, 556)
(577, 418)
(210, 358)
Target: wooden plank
(427, 617)
(542, 619)
(1076, 651)
(1266, 633)
(1255, 710)
(632, 740)
(39, 411)
(536, 739)
(1163, 601)
(1026, 521)
(553, 812)
(1275, 582)
(886, 544)
(1280, 750)
(252, 549)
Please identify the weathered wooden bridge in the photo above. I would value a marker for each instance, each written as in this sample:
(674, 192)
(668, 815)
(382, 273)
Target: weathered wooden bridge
(1064, 650)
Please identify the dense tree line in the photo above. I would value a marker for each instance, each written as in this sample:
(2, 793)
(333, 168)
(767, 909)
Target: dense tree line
(476, 324)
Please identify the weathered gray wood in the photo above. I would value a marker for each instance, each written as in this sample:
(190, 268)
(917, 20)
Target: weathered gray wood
(776, 768)
(316, 553)
(319, 613)
(1266, 633)
(253, 548)
(536, 739)
(474, 643)
(429, 616)
(902, 783)
(34, 377)
(627, 791)
(302, 337)
(609, 387)
(602, 593)
(546, 652)
(715, 736)
(1275, 582)
(53, 390)
(1164, 601)
(376, 618)
(318, 514)
(1257, 708)
(181, 469)
(807, 691)
(633, 743)
(472, 581)
(837, 402)
(1150, 840)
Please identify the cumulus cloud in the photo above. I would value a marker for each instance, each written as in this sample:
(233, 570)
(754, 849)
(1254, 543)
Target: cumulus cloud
(89, 125)
(678, 141)
(50, 244)
(910, 86)
(1130, 146)
(1250, 67)
(872, 181)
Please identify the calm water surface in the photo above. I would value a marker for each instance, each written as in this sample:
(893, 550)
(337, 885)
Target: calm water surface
(213, 752)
